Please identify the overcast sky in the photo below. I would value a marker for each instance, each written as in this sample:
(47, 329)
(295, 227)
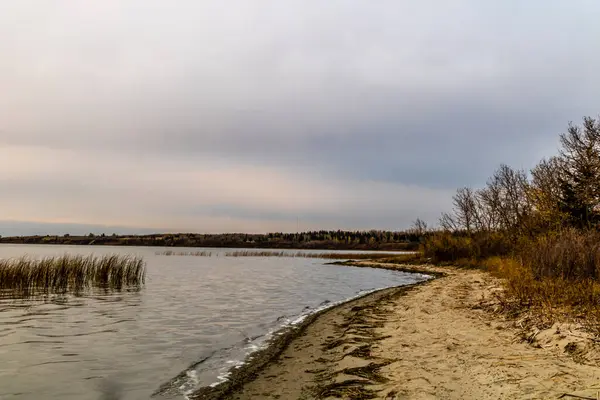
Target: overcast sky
(213, 116)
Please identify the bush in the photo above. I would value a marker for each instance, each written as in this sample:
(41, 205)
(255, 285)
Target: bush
(448, 247)
(569, 254)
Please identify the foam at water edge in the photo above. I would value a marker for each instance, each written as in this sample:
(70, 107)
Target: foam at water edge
(193, 377)
(263, 341)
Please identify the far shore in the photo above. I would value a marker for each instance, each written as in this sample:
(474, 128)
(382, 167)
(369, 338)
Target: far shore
(321, 240)
(440, 339)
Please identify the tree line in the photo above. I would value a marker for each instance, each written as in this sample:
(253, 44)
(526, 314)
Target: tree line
(322, 239)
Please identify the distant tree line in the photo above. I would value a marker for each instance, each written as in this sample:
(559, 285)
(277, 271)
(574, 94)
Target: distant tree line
(339, 239)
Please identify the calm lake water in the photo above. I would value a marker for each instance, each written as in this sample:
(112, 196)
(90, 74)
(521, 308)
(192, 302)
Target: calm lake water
(195, 318)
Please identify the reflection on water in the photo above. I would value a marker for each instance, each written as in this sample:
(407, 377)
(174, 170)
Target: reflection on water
(194, 318)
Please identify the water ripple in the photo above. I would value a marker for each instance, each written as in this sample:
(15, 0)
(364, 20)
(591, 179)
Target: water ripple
(55, 362)
(31, 342)
(76, 334)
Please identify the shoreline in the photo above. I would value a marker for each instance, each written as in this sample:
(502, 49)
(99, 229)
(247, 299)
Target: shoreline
(441, 338)
(258, 361)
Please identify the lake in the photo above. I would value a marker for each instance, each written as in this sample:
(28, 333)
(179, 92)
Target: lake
(195, 318)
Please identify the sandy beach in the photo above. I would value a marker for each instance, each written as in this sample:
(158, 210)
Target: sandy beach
(437, 340)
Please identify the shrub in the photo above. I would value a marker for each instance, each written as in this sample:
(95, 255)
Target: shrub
(448, 247)
(569, 254)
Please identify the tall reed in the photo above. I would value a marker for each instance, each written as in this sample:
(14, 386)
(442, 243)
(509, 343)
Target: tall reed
(69, 274)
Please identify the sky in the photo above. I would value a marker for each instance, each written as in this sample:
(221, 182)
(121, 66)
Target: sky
(137, 116)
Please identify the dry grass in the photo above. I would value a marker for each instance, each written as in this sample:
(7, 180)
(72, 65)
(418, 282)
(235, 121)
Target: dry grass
(447, 247)
(69, 274)
(546, 299)
(569, 254)
(553, 277)
(270, 253)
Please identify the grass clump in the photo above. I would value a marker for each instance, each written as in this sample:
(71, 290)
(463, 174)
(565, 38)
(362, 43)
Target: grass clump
(24, 277)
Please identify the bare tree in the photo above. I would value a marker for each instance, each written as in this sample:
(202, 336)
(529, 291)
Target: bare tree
(465, 208)
(420, 227)
(447, 222)
(488, 204)
(508, 189)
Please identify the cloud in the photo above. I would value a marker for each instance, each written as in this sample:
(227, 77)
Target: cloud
(245, 115)
(67, 186)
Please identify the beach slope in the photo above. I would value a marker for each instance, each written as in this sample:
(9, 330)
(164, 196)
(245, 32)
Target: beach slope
(437, 340)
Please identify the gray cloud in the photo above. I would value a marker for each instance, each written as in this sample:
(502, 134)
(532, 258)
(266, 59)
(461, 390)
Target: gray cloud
(408, 99)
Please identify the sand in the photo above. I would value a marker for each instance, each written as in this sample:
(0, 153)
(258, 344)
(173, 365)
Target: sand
(438, 340)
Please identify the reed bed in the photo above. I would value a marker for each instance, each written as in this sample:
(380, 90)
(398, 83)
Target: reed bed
(303, 254)
(24, 277)
(185, 253)
(270, 253)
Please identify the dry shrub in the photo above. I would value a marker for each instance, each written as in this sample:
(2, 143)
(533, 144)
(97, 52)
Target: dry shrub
(445, 246)
(552, 277)
(448, 247)
(569, 254)
(555, 275)
(548, 298)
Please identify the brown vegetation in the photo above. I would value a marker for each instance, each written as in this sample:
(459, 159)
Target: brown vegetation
(74, 274)
(538, 231)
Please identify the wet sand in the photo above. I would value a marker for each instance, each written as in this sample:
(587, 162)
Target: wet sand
(437, 340)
